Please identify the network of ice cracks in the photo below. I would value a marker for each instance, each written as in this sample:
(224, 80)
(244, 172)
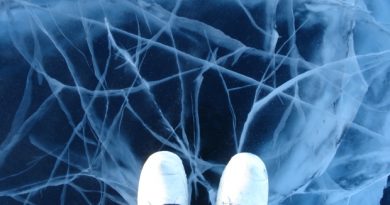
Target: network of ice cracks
(89, 89)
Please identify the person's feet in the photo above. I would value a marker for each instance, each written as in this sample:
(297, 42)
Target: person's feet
(163, 181)
(244, 182)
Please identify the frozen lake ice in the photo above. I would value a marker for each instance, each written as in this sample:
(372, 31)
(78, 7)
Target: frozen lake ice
(89, 89)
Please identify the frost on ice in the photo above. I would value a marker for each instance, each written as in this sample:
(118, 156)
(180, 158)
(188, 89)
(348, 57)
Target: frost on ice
(89, 89)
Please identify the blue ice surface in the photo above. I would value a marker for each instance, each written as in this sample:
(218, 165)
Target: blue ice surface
(89, 89)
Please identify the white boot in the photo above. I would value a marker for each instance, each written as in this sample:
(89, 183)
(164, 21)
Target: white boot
(244, 181)
(163, 181)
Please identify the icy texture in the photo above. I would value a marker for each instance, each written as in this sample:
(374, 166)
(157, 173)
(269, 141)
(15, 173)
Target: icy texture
(89, 89)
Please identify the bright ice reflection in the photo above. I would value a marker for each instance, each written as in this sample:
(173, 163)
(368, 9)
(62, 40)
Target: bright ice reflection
(88, 89)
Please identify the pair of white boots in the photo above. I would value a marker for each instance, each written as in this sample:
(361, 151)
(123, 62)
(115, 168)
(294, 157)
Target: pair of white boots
(163, 181)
